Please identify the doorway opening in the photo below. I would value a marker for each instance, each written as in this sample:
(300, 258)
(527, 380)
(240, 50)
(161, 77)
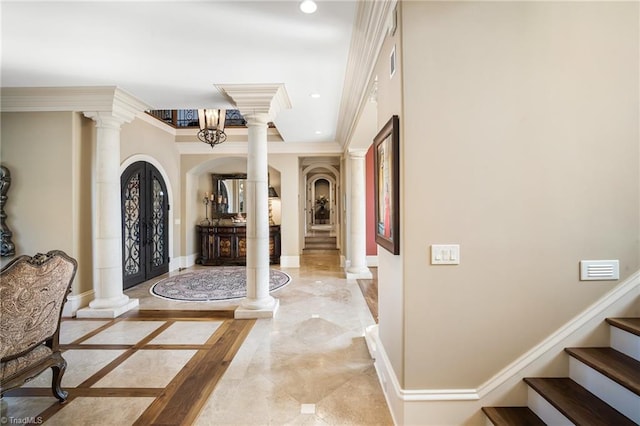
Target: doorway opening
(145, 227)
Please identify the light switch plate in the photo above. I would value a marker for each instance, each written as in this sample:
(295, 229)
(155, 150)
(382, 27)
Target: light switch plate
(445, 254)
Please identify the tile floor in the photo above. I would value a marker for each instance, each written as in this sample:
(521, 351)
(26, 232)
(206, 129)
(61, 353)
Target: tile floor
(307, 366)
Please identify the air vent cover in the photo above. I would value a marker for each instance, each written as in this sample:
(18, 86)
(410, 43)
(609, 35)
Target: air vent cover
(599, 270)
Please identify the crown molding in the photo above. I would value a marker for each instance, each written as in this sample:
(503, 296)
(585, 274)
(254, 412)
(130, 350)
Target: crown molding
(95, 99)
(370, 28)
(294, 148)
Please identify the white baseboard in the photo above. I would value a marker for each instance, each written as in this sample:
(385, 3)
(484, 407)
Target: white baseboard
(189, 260)
(453, 406)
(372, 261)
(75, 302)
(289, 261)
(176, 263)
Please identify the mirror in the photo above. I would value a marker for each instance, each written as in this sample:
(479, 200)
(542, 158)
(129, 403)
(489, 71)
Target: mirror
(229, 195)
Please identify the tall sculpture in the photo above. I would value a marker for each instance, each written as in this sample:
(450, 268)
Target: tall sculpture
(8, 249)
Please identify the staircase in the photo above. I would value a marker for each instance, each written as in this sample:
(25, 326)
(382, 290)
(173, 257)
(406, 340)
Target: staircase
(603, 387)
(320, 242)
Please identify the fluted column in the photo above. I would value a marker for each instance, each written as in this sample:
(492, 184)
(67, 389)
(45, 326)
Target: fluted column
(258, 298)
(357, 235)
(109, 299)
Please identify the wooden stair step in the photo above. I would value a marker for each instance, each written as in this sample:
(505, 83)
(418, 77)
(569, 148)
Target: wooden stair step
(576, 403)
(615, 365)
(512, 416)
(631, 325)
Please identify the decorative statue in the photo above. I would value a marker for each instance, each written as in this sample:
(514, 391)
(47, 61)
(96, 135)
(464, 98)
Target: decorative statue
(8, 249)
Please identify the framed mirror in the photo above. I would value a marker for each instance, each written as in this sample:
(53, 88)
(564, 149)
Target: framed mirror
(229, 195)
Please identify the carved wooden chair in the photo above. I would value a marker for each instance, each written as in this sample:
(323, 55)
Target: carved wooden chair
(32, 293)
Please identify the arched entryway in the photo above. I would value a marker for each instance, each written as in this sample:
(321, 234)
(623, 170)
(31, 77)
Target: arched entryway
(145, 224)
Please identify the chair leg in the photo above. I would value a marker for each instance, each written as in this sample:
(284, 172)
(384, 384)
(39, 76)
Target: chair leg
(58, 371)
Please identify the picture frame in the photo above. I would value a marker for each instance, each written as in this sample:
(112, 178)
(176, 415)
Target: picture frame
(387, 185)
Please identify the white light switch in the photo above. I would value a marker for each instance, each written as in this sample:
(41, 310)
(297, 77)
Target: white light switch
(445, 254)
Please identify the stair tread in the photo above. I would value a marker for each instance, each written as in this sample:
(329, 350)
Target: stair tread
(576, 403)
(617, 366)
(512, 416)
(631, 325)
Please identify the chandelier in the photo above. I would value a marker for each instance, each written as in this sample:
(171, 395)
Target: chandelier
(212, 126)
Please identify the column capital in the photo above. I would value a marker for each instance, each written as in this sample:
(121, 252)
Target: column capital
(105, 119)
(257, 99)
(357, 153)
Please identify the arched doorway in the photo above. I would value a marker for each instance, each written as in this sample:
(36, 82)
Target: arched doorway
(145, 227)
(322, 196)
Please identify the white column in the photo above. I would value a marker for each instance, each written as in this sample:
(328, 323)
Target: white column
(109, 299)
(357, 235)
(258, 303)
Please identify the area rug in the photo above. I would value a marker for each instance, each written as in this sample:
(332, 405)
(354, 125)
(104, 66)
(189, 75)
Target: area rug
(215, 283)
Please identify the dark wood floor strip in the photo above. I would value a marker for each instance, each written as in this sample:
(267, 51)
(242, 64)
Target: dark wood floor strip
(183, 399)
(369, 289)
(151, 314)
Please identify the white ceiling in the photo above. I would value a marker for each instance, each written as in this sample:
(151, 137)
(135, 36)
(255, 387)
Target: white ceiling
(171, 55)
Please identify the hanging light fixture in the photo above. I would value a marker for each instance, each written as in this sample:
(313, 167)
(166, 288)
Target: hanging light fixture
(212, 126)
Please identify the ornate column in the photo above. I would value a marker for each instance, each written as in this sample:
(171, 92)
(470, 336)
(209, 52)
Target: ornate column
(258, 104)
(357, 235)
(109, 300)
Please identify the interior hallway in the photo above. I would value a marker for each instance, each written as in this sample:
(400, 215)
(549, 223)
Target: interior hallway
(307, 366)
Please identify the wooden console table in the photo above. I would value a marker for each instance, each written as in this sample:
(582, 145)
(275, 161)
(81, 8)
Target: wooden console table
(227, 244)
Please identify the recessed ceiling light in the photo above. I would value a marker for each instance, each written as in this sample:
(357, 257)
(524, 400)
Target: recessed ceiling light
(318, 132)
(315, 95)
(308, 6)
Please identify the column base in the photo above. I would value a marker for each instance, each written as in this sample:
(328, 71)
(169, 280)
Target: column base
(355, 273)
(113, 312)
(268, 311)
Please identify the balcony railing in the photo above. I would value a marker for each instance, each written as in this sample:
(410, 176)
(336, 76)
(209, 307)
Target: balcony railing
(181, 118)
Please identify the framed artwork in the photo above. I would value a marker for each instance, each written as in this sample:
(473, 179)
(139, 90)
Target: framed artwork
(387, 185)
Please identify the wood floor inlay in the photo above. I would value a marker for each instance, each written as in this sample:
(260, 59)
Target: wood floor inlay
(185, 395)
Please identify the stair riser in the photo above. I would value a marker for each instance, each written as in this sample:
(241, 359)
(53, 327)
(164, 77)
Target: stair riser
(625, 342)
(547, 412)
(606, 389)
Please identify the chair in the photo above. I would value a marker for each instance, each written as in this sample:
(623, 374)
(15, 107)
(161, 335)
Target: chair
(32, 293)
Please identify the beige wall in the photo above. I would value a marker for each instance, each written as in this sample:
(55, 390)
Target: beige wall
(196, 179)
(521, 120)
(391, 291)
(141, 141)
(49, 201)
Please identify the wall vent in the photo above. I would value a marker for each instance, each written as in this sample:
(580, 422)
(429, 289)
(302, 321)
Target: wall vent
(599, 270)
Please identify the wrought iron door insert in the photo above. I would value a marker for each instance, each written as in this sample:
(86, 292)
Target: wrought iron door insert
(145, 251)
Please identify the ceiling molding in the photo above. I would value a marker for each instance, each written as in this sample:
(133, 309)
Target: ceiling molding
(96, 99)
(294, 148)
(370, 28)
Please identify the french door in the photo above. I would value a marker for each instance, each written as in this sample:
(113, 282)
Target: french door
(145, 239)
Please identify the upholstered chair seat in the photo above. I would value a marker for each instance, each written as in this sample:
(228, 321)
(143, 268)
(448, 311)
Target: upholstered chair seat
(32, 293)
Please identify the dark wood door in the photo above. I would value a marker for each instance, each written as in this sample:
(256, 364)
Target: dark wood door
(145, 231)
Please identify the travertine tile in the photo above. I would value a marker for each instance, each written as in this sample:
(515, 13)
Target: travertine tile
(187, 332)
(124, 332)
(71, 330)
(81, 364)
(92, 411)
(147, 369)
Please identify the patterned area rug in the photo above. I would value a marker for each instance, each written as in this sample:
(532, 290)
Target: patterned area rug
(215, 283)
